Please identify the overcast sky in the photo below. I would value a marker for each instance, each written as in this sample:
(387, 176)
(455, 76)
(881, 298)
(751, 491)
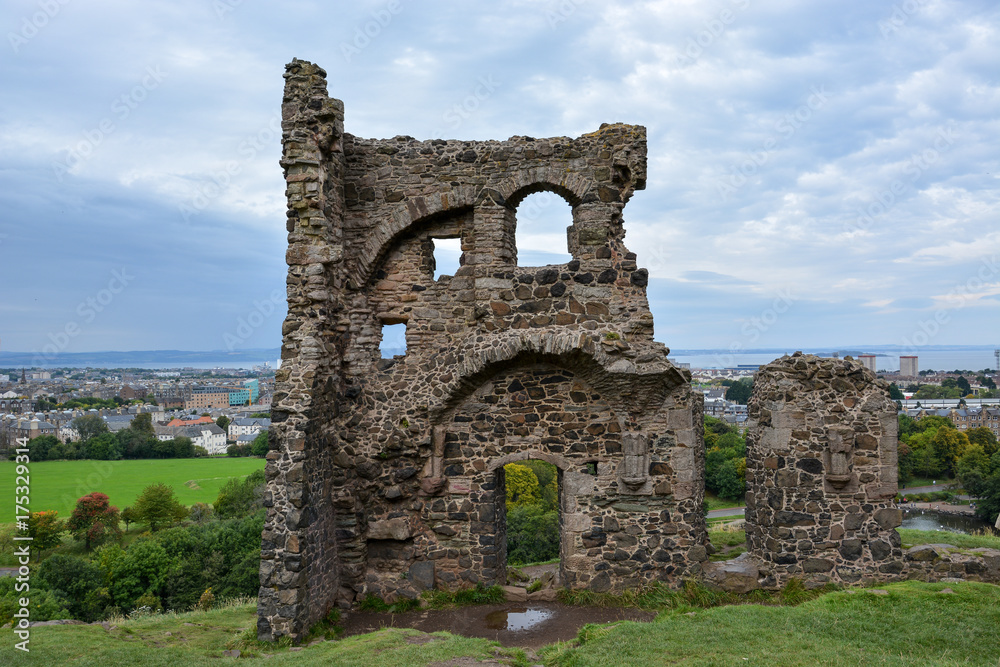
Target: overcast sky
(820, 174)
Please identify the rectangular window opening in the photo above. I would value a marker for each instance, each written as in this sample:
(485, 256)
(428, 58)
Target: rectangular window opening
(447, 256)
(393, 341)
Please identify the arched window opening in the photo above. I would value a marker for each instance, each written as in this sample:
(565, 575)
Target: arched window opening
(393, 341)
(542, 221)
(447, 256)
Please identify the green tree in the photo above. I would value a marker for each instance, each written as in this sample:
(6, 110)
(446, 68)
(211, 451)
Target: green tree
(157, 507)
(963, 385)
(45, 448)
(241, 497)
(143, 423)
(89, 426)
(45, 529)
(983, 437)
(223, 422)
(740, 391)
(521, 485)
(77, 583)
(128, 517)
(532, 534)
(949, 445)
(261, 444)
(894, 392)
(103, 447)
(94, 520)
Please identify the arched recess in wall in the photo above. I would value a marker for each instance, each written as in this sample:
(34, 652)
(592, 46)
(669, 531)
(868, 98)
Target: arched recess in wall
(542, 220)
(541, 409)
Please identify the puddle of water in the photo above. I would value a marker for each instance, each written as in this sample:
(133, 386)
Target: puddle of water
(517, 619)
(930, 520)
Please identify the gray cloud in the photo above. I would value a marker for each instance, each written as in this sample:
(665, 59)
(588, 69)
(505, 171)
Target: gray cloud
(793, 145)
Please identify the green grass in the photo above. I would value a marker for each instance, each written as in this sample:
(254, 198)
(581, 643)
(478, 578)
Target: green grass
(927, 481)
(199, 638)
(716, 503)
(962, 540)
(56, 485)
(913, 625)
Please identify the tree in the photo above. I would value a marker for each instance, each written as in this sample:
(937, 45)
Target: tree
(963, 385)
(128, 517)
(94, 520)
(45, 448)
(89, 426)
(894, 392)
(156, 507)
(949, 445)
(740, 391)
(983, 437)
(104, 447)
(223, 422)
(522, 485)
(45, 529)
(261, 444)
(76, 583)
(143, 423)
(241, 497)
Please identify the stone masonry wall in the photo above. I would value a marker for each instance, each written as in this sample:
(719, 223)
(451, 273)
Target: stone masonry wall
(821, 473)
(388, 475)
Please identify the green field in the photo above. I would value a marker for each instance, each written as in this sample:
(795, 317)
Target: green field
(56, 485)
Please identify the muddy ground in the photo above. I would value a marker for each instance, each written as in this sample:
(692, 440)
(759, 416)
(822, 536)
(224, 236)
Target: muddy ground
(521, 624)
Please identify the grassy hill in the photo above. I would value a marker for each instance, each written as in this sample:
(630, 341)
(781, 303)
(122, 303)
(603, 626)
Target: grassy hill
(909, 623)
(56, 485)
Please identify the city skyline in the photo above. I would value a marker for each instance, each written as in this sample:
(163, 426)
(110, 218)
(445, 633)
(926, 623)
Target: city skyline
(816, 174)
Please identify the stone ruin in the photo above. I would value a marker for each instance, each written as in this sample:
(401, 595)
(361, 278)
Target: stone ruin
(388, 475)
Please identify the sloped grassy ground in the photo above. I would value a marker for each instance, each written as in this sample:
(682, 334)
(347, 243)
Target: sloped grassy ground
(913, 624)
(200, 638)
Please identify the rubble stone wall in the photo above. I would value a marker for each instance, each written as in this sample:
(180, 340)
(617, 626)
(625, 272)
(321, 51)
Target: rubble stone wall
(388, 474)
(821, 473)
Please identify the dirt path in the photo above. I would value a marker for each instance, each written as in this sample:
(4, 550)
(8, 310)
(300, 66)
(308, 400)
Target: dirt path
(522, 624)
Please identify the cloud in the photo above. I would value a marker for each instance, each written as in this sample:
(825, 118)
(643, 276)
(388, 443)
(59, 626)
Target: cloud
(790, 146)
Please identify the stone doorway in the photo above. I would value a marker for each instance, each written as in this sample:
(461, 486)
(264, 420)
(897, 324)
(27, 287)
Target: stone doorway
(529, 511)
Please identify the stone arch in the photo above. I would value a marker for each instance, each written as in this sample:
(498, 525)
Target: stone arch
(633, 389)
(571, 185)
(534, 410)
(409, 214)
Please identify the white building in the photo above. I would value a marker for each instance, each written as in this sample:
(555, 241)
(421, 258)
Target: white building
(248, 426)
(908, 367)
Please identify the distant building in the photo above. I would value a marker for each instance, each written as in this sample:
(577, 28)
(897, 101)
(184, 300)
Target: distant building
(248, 426)
(208, 397)
(908, 367)
(868, 361)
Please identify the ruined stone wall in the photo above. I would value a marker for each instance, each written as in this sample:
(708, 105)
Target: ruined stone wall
(388, 478)
(821, 473)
